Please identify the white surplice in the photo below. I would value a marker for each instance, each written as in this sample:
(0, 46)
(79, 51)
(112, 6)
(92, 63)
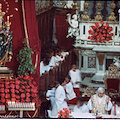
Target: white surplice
(50, 95)
(100, 104)
(75, 76)
(43, 68)
(64, 54)
(59, 103)
(70, 92)
(53, 61)
(117, 110)
(81, 109)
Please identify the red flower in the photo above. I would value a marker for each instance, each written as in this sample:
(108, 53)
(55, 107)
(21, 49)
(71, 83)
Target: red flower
(102, 22)
(13, 99)
(21, 90)
(23, 87)
(107, 39)
(2, 95)
(13, 95)
(6, 90)
(93, 27)
(17, 96)
(28, 94)
(27, 99)
(16, 91)
(112, 34)
(17, 100)
(2, 90)
(22, 100)
(22, 95)
(12, 86)
(7, 96)
(28, 90)
(26, 77)
(3, 100)
(17, 86)
(13, 90)
(107, 24)
(17, 82)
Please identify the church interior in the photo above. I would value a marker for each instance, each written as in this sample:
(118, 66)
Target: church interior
(67, 65)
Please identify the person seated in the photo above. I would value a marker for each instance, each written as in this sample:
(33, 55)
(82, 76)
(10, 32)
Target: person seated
(59, 56)
(64, 53)
(75, 75)
(116, 108)
(44, 67)
(53, 60)
(81, 107)
(100, 102)
(60, 98)
(69, 91)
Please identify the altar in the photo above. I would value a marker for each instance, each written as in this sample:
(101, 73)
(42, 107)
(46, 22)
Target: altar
(96, 47)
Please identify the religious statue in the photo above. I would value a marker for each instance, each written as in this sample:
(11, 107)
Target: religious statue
(73, 30)
(5, 39)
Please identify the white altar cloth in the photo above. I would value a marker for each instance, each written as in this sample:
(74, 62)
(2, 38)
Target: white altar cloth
(83, 115)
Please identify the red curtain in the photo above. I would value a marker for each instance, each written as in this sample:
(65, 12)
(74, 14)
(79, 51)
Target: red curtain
(62, 31)
(33, 36)
(17, 28)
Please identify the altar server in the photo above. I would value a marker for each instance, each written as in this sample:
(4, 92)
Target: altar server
(75, 75)
(100, 102)
(69, 91)
(44, 67)
(116, 108)
(60, 98)
(81, 107)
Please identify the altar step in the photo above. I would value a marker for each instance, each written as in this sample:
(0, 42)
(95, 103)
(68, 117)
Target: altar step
(88, 82)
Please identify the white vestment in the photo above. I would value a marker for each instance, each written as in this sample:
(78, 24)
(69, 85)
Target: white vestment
(59, 103)
(117, 110)
(59, 58)
(43, 68)
(100, 104)
(53, 61)
(75, 76)
(50, 95)
(70, 92)
(81, 109)
(64, 54)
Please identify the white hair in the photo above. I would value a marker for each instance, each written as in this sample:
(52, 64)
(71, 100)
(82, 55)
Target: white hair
(100, 89)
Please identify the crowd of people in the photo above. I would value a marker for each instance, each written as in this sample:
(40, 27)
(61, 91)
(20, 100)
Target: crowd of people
(51, 58)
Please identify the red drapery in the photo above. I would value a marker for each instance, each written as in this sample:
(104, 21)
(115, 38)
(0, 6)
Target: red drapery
(17, 28)
(62, 31)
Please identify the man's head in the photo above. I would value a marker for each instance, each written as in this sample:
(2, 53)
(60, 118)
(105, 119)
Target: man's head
(100, 91)
(80, 101)
(74, 66)
(67, 78)
(62, 81)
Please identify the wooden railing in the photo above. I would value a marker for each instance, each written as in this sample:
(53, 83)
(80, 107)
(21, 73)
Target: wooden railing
(50, 78)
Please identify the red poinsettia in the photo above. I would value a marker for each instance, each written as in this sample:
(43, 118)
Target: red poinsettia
(100, 32)
(64, 113)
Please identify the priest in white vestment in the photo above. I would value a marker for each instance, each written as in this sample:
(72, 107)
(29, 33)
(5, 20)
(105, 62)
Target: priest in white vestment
(60, 98)
(75, 75)
(116, 108)
(81, 107)
(100, 102)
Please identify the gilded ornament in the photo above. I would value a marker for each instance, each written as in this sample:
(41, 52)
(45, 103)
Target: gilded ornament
(99, 5)
(16, 9)
(86, 5)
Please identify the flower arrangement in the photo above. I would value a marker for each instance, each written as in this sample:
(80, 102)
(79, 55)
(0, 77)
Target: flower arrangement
(21, 89)
(64, 113)
(101, 32)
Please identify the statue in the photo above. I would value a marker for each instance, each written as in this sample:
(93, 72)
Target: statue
(73, 30)
(117, 61)
(5, 39)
